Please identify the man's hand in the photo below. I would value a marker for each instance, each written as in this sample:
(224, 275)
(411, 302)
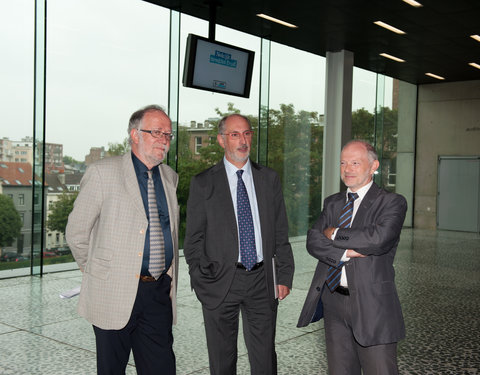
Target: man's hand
(283, 291)
(354, 254)
(329, 232)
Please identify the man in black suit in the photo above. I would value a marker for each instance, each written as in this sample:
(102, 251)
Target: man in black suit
(237, 249)
(356, 236)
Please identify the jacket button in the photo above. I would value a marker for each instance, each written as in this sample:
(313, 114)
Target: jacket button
(318, 289)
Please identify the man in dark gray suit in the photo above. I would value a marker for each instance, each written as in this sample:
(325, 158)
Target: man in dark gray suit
(237, 249)
(355, 240)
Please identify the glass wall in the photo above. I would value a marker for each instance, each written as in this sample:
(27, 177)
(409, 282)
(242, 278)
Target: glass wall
(295, 131)
(16, 140)
(69, 88)
(200, 111)
(383, 113)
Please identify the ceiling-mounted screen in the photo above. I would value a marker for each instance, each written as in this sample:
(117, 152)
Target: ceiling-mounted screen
(218, 67)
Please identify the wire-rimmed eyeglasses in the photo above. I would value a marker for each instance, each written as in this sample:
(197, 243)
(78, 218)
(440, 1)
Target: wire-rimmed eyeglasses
(156, 133)
(236, 135)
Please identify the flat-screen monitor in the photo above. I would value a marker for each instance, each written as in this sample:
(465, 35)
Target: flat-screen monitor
(218, 67)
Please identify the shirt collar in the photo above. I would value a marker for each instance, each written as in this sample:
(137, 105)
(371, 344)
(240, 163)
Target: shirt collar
(232, 170)
(361, 192)
(140, 168)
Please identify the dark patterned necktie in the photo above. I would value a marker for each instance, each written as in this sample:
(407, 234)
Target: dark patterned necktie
(248, 252)
(345, 220)
(156, 263)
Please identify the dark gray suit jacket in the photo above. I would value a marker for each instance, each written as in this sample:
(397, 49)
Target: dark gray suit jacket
(375, 232)
(211, 241)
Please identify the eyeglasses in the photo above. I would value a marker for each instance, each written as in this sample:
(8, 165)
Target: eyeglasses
(158, 134)
(236, 135)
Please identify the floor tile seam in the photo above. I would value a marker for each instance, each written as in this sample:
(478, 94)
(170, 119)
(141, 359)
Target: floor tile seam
(297, 337)
(54, 340)
(55, 322)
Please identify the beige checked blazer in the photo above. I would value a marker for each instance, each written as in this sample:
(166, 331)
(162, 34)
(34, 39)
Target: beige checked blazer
(106, 233)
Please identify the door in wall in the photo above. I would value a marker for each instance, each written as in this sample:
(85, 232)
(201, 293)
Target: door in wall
(458, 198)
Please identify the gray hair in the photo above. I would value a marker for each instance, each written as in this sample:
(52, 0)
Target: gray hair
(221, 123)
(136, 118)
(371, 153)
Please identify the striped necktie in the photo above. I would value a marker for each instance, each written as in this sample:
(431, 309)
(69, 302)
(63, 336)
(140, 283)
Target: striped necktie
(345, 220)
(156, 263)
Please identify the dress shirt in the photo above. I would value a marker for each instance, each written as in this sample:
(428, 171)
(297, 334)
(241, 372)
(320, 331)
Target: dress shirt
(356, 203)
(142, 177)
(252, 197)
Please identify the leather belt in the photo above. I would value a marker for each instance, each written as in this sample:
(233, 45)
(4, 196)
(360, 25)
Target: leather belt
(147, 279)
(342, 290)
(255, 267)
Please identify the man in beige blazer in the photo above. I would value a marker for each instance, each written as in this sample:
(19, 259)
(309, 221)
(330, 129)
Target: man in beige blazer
(130, 304)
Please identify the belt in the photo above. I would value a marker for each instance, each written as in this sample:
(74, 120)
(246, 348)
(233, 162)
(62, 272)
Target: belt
(256, 266)
(147, 279)
(342, 290)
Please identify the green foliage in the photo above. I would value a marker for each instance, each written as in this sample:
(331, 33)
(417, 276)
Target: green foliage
(295, 152)
(58, 217)
(118, 148)
(69, 160)
(10, 221)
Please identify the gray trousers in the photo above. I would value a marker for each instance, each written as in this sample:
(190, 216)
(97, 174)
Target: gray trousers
(344, 354)
(247, 294)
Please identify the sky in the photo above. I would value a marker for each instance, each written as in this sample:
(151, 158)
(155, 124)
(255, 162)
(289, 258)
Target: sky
(107, 58)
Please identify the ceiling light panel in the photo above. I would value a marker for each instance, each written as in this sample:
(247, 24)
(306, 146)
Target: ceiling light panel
(276, 20)
(434, 76)
(475, 65)
(413, 3)
(389, 27)
(392, 57)
(476, 37)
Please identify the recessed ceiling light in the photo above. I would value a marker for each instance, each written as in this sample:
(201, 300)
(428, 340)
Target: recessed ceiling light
(391, 57)
(476, 37)
(389, 27)
(434, 76)
(475, 65)
(413, 3)
(273, 19)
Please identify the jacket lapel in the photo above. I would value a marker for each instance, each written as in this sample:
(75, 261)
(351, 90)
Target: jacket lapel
(263, 209)
(365, 205)
(131, 183)
(220, 191)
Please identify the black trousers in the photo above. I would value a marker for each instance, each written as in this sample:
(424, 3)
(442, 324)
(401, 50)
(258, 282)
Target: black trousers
(247, 294)
(148, 334)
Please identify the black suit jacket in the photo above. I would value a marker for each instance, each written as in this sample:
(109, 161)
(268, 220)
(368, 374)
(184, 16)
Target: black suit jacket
(211, 241)
(375, 232)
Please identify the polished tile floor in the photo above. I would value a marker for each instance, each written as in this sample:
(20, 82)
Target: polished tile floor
(438, 279)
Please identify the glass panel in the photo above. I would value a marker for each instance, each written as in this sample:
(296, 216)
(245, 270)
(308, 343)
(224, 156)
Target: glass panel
(173, 84)
(295, 132)
(200, 111)
(363, 105)
(389, 124)
(16, 141)
(99, 72)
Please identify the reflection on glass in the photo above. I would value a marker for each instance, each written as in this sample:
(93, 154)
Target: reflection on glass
(295, 133)
(16, 152)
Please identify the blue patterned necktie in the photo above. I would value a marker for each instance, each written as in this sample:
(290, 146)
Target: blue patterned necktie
(156, 263)
(248, 252)
(345, 220)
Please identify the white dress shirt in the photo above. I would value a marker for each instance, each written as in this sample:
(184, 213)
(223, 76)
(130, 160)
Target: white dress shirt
(356, 203)
(252, 197)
